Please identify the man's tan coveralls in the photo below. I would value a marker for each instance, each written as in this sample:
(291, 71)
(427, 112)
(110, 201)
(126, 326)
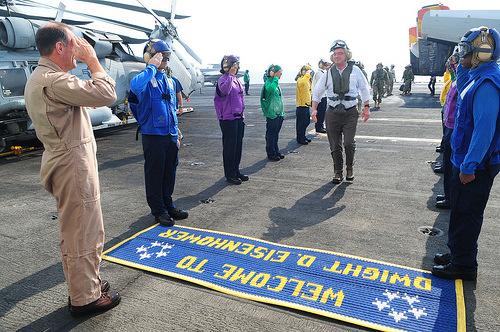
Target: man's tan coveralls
(54, 102)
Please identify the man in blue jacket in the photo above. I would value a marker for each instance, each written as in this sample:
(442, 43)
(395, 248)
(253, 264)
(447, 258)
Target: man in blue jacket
(475, 143)
(157, 119)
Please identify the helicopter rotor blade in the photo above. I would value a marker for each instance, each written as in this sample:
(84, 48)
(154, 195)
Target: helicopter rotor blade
(158, 18)
(133, 8)
(93, 17)
(189, 50)
(60, 12)
(173, 5)
(5, 13)
(171, 30)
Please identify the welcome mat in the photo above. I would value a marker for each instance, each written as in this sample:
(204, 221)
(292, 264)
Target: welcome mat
(357, 290)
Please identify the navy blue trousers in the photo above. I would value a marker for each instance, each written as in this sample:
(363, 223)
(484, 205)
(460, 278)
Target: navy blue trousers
(273, 127)
(320, 116)
(160, 164)
(303, 119)
(232, 144)
(448, 166)
(468, 202)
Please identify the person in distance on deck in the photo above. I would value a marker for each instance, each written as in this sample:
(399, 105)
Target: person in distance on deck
(271, 103)
(303, 98)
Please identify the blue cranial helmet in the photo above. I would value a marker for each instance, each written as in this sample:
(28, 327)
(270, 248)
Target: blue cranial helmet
(483, 42)
(155, 46)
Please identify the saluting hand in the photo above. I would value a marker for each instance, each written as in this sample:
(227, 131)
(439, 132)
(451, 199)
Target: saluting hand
(156, 60)
(85, 53)
(82, 50)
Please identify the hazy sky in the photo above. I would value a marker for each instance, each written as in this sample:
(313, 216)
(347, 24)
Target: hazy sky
(292, 33)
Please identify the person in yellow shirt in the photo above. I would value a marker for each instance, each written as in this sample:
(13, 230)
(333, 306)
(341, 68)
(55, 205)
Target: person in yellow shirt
(303, 104)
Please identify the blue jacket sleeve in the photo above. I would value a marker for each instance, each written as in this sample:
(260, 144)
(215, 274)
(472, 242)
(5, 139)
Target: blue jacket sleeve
(485, 110)
(140, 81)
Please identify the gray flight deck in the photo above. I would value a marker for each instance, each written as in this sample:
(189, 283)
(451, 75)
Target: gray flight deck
(291, 202)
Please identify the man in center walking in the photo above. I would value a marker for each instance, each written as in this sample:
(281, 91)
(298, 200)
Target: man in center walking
(342, 84)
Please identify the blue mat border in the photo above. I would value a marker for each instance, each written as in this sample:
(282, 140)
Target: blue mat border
(461, 319)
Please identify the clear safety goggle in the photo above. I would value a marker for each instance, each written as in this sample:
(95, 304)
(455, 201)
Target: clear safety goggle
(165, 56)
(339, 44)
(465, 49)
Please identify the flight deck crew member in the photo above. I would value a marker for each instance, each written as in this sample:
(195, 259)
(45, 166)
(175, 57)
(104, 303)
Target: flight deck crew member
(432, 85)
(157, 119)
(342, 84)
(229, 105)
(408, 77)
(55, 102)
(323, 66)
(443, 201)
(475, 143)
(303, 98)
(378, 81)
(246, 79)
(392, 79)
(271, 103)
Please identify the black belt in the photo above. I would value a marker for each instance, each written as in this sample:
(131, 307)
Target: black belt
(346, 98)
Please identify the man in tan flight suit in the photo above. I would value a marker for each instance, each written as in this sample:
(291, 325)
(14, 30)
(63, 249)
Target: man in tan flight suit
(54, 100)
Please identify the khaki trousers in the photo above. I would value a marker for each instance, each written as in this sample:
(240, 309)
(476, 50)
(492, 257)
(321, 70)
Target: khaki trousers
(71, 177)
(341, 130)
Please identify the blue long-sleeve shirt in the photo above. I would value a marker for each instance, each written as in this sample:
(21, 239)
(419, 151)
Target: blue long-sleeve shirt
(477, 135)
(156, 114)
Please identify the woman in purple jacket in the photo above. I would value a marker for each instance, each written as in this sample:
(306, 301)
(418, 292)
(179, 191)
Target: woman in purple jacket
(229, 104)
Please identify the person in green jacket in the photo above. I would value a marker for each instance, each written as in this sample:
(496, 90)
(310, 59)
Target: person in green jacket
(272, 107)
(378, 81)
(246, 79)
(408, 77)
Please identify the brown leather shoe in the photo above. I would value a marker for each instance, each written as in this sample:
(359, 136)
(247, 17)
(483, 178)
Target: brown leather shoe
(104, 288)
(349, 174)
(338, 178)
(105, 302)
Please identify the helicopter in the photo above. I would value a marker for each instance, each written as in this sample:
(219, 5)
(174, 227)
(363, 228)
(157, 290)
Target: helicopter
(19, 57)
(212, 73)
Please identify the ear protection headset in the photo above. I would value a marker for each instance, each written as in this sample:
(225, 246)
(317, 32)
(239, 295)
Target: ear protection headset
(227, 62)
(305, 68)
(485, 48)
(271, 71)
(322, 63)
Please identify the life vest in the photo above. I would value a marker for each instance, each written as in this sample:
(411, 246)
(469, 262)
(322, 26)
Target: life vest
(341, 82)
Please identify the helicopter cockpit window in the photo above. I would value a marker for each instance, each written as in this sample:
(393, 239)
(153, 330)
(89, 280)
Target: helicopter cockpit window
(12, 82)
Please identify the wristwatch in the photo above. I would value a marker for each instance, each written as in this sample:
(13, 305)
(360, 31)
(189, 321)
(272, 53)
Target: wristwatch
(367, 105)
